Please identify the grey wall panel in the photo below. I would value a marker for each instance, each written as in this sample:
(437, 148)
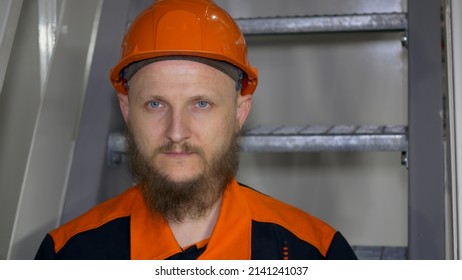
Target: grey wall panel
(19, 104)
(426, 154)
(50, 150)
(90, 180)
(9, 16)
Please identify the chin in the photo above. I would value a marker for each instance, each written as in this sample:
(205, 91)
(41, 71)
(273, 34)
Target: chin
(180, 176)
(181, 173)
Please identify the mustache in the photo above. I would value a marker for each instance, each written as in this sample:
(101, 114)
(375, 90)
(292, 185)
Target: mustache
(179, 148)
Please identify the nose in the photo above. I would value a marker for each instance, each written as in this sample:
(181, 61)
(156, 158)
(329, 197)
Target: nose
(178, 128)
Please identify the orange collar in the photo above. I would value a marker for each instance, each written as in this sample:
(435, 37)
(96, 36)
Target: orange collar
(151, 237)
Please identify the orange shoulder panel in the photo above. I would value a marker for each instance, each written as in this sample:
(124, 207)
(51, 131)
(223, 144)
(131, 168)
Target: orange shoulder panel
(266, 209)
(117, 207)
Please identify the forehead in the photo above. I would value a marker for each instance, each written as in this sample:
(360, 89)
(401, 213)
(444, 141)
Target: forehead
(180, 74)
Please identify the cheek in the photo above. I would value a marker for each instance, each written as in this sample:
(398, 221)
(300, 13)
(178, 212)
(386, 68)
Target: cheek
(216, 134)
(145, 135)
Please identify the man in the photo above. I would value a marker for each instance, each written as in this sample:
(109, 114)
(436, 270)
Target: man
(185, 90)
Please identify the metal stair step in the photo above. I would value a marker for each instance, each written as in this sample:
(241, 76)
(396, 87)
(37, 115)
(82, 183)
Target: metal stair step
(324, 23)
(368, 252)
(316, 138)
(380, 252)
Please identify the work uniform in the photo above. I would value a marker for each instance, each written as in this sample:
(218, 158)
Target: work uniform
(250, 225)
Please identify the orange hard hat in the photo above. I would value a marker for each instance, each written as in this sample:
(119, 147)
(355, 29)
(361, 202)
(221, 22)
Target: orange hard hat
(196, 28)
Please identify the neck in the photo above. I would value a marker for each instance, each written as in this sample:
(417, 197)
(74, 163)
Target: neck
(190, 231)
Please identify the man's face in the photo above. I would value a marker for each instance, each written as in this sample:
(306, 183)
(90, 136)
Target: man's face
(183, 116)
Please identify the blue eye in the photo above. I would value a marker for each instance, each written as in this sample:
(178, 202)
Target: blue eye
(202, 104)
(154, 104)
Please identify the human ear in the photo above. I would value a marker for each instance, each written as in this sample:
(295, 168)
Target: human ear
(124, 105)
(244, 103)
